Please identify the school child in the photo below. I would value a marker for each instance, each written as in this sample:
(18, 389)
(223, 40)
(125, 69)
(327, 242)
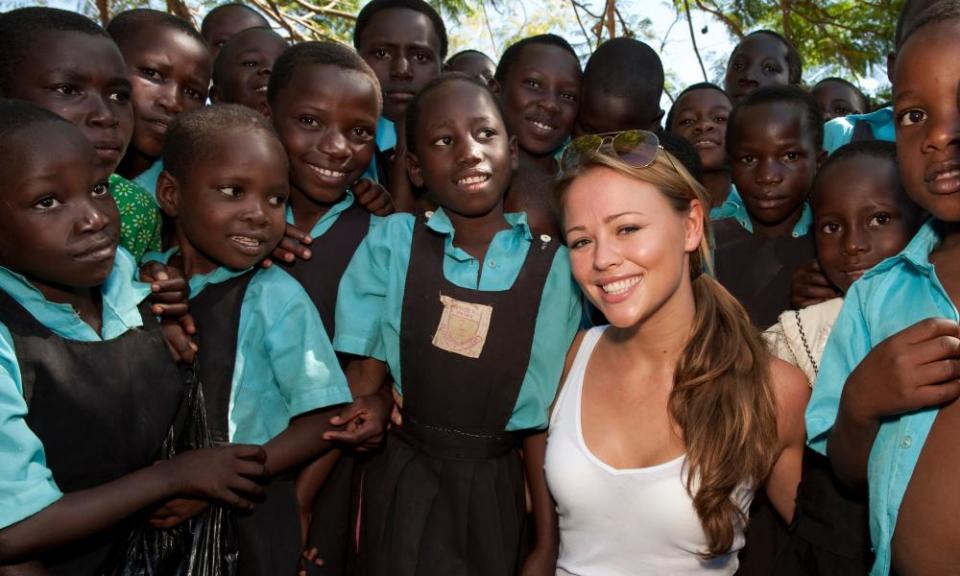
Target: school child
(241, 72)
(539, 79)
(324, 103)
(268, 370)
(622, 86)
(861, 216)
(41, 46)
(224, 21)
(168, 66)
(879, 124)
(773, 141)
(468, 311)
(762, 58)
(88, 388)
(472, 62)
(838, 98)
(405, 43)
(882, 407)
(700, 115)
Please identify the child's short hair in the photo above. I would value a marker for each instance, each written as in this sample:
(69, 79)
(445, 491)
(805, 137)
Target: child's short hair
(462, 53)
(205, 24)
(879, 149)
(413, 110)
(188, 138)
(776, 94)
(691, 88)
(317, 53)
(851, 85)
(512, 54)
(130, 23)
(17, 116)
(376, 6)
(940, 11)
(629, 69)
(684, 151)
(794, 60)
(19, 28)
(226, 53)
(908, 14)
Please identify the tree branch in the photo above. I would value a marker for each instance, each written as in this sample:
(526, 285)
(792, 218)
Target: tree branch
(693, 39)
(730, 24)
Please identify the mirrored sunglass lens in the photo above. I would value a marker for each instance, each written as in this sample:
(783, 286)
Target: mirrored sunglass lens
(637, 148)
(576, 149)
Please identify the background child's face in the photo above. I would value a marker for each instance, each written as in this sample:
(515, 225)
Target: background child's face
(760, 60)
(861, 217)
(170, 74)
(225, 23)
(230, 205)
(463, 154)
(81, 78)
(925, 96)
(540, 94)
(403, 49)
(701, 119)
(475, 65)
(838, 100)
(600, 113)
(327, 119)
(249, 67)
(773, 161)
(59, 225)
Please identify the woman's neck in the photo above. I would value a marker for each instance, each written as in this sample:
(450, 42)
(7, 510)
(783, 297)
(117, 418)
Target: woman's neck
(717, 183)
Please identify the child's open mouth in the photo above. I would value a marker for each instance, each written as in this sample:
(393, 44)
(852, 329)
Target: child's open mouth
(247, 244)
(473, 181)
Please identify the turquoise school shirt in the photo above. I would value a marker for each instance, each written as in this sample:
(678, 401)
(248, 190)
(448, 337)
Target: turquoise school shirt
(893, 295)
(285, 365)
(370, 301)
(148, 179)
(26, 484)
(730, 207)
(386, 139)
(330, 216)
(738, 210)
(839, 131)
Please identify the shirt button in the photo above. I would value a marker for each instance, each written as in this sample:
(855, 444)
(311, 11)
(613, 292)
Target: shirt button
(907, 442)
(492, 263)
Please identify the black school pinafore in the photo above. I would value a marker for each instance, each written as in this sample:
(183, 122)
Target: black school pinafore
(446, 495)
(101, 409)
(333, 526)
(270, 536)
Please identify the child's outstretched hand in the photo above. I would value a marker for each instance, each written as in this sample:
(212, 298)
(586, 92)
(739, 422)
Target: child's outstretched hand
(364, 421)
(227, 474)
(293, 246)
(169, 294)
(373, 197)
(810, 286)
(916, 368)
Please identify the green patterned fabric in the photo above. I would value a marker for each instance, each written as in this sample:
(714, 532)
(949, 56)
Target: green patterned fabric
(139, 217)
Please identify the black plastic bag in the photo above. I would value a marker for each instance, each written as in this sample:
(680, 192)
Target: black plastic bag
(205, 545)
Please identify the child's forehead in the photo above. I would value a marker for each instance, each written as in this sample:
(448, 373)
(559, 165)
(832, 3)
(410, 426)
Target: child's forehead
(457, 99)
(925, 48)
(53, 49)
(762, 46)
(400, 26)
(231, 19)
(872, 178)
(542, 55)
(257, 39)
(156, 37)
(703, 98)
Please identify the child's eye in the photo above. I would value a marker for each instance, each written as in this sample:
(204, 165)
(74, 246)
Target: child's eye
(771, 69)
(67, 89)
(720, 119)
(121, 96)
(308, 121)
(792, 156)
(830, 228)
(443, 141)
(46, 203)
(530, 82)
(151, 73)
(250, 63)
(842, 111)
(100, 189)
(486, 133)
(748, 159)
(913, 116)
(881, 219)
(194, 94)
(422, 57)
(686, 122)
(363, 133)
(381, 53)
(738, 65)
(568, 96)
(277, 200)
(230, 191)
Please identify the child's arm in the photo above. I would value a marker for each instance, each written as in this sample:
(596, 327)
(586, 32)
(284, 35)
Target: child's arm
(915, 368)
(543, 558)
(226, 474)
(365, 419)
(810, 286)
(294, 245)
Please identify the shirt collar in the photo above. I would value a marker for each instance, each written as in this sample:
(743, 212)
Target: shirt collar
(439, 222)
(917, 252)
(386, 134)
(801, 228)
(332, 213)
(200, 281)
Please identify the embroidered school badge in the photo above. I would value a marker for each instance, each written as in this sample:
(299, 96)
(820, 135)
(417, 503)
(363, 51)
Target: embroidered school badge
(463, 327)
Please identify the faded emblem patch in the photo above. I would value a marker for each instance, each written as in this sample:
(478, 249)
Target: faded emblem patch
(463, 327)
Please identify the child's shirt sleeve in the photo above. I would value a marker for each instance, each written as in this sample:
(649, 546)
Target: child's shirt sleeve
(26, 484)
(849, 343)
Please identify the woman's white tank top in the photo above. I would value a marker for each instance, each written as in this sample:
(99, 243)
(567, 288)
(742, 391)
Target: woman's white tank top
(620, 522)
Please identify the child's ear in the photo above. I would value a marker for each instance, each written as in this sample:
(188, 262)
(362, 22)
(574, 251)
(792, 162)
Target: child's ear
(694, 226)
(168, 194)
(413, 169)
(514, 153)
(494, 86)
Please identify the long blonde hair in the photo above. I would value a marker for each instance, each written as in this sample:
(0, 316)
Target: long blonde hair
(722, 397)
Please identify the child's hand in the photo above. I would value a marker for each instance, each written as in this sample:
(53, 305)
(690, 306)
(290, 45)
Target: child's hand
(396, 415)
(177, 335)
(169, 293)
(293, 246)
(810, 286)
(310, 557)
(227, 474)
(373, 197)
(176, 511)
(916, 368)
(364, 421)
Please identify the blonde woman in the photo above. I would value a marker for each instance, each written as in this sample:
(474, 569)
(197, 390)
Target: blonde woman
(674, 414)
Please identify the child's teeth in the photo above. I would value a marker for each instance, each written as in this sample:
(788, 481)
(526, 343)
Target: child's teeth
(473, 179)
(542, 126)
(246, 240)
(620, 286)
(331, 173)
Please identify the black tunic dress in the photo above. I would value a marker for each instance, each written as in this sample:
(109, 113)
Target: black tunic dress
(446, 496)
(334, 512)
(101, 409)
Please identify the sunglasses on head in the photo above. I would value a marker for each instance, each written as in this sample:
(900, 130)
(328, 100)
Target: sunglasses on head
(638, 148)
